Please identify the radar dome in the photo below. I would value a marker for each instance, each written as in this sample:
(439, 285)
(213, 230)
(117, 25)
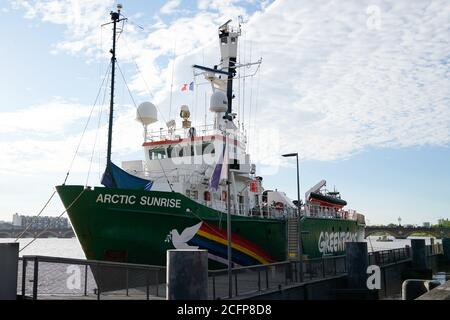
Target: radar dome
(219, 102)
(146, 113)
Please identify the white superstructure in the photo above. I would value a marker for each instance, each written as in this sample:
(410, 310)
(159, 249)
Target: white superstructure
(183, 159)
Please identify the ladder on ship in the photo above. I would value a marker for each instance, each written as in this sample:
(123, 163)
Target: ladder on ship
(292, 238)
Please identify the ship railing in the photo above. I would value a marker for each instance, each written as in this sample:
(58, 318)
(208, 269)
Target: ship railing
(331, 213)
(174, 175)
(43, 277)
(201, 130)
(257, 279)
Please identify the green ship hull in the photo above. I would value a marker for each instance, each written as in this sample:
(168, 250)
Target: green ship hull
(140, 226)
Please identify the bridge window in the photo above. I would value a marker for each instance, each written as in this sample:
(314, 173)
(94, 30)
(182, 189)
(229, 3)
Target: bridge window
(157, 153)
(180, 151)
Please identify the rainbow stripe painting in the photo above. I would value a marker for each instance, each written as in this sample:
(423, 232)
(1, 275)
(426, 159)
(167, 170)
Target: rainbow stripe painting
(214, 240)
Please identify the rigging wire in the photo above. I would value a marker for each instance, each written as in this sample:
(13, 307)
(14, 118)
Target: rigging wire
(171, 82)
(85, 127)
(167, 179)
(35, 217)
(145, 82)
(77, 149)
(250, 108)
(195, 100)
(129, 91)
(71, 163)
(131, 96)
(96, 134)
(243, 82)
(73, 159)
(256, 105)
(126, 85)
(50, 224)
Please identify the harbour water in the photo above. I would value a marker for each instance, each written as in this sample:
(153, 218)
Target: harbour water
(70, 248)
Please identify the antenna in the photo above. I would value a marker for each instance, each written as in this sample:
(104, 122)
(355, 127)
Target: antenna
(224, 25)
(115, 17)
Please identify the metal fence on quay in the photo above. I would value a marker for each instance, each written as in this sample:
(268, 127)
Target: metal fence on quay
(43, 277)
(259, 278)
(384, 257)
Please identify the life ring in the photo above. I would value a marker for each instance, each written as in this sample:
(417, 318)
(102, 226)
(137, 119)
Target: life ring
(224, 195)
(207, 196)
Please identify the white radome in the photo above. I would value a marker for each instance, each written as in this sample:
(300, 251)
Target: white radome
(146, 113)
(219, 102)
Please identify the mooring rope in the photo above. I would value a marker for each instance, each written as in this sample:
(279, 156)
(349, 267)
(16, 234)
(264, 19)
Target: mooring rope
(34, 218)
(49, 225)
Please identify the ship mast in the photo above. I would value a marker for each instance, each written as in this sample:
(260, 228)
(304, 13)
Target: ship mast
(228, 47)
(115, 17)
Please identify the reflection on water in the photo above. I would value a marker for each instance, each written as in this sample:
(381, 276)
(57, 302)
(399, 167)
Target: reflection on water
(55, 247)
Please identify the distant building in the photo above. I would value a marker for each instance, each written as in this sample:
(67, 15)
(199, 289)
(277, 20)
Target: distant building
(5, 225)
(40, 222)
(426, 225)
(17, 220)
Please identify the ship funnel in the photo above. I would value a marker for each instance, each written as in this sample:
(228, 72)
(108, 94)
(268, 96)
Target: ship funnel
(219, 102)
(146, 113)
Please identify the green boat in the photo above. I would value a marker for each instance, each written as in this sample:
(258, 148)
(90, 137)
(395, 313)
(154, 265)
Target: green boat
(194, 178)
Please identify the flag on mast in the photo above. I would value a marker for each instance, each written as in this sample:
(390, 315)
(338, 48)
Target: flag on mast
(220, 170)
(186, 86)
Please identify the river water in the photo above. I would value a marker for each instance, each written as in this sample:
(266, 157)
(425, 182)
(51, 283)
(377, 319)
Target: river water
(70, 248)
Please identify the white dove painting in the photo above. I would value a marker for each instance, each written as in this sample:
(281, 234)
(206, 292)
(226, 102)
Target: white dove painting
(179, 241)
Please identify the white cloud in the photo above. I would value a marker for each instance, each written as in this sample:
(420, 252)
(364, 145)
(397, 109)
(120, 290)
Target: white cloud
(170, 6)
(42, 139)
(329, 85)
(43, 119)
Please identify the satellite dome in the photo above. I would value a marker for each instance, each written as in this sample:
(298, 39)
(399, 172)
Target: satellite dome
(219, 102)
(146, 113)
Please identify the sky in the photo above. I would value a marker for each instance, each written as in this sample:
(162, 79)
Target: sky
(360, 89)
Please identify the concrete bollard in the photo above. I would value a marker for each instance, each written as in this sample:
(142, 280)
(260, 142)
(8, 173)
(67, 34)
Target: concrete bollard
(419, 259)
(446, 248)
(187, 274)
(357, 263)
(9, 257)
(414, 288)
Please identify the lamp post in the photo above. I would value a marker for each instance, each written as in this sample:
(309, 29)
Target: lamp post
(226, 161)
(299, 249)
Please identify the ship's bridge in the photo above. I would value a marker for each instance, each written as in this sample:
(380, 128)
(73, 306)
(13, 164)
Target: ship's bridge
(183, 148)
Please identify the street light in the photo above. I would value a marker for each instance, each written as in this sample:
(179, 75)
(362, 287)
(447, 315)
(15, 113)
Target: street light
(299, 250)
